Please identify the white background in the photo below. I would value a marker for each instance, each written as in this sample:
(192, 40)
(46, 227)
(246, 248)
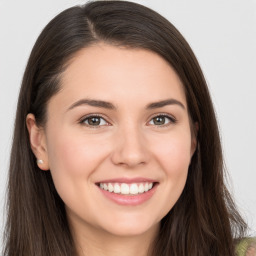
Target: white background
(222, 34)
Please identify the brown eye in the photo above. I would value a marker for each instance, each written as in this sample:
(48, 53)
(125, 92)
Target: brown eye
(94, 121)
(161, 120)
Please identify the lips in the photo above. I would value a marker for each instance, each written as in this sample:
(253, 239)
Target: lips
(128, 191)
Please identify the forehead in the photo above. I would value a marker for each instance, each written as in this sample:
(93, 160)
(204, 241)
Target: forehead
(116, 73)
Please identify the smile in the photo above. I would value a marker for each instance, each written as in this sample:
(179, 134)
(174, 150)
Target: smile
(127, 189)
(128, 192)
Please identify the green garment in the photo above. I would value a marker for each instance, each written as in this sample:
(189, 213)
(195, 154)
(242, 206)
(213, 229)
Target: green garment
(246, 247)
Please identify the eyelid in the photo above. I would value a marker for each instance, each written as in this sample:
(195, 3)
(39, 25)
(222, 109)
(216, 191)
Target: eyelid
(81, 120)
(173, 120)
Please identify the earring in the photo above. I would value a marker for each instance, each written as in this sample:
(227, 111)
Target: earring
(39, 161)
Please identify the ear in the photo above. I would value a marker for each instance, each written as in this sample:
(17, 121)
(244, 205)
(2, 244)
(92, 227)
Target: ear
(37, 142)
(194, 128)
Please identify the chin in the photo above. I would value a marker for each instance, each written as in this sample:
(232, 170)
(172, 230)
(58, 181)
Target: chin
(135, 227)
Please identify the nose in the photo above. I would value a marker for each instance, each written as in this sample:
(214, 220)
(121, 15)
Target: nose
(130, 148)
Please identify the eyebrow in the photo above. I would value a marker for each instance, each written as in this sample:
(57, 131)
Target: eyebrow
(108, 105)
(93, 103)
(164, 103)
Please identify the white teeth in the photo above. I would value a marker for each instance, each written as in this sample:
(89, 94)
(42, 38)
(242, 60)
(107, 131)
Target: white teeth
(117, 188)
(141, 188)
(134, 190)
(127, 189)
(124, 189)
(110, 187)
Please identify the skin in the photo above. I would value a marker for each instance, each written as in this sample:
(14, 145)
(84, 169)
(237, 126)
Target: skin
(128, 142)
(251, 251)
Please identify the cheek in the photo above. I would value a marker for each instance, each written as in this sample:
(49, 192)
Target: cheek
(73, 153)
(72, 159)
(173, 153)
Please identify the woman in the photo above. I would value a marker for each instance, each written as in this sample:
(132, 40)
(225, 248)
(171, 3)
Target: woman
(116, 147)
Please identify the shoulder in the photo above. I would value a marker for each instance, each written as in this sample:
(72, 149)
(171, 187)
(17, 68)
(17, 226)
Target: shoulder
(246, 247)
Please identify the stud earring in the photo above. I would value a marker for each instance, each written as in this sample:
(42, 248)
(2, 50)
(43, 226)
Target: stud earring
(40, 161)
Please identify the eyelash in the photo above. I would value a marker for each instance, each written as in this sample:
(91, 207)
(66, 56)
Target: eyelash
(171, 119)
(82, 121)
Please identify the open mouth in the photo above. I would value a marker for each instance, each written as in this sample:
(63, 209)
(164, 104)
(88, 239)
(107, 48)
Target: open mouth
(127, 188)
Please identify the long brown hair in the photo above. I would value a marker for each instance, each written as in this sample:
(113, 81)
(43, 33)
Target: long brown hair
(204, 221)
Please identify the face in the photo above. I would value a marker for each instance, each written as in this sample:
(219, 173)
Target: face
(117, 140)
